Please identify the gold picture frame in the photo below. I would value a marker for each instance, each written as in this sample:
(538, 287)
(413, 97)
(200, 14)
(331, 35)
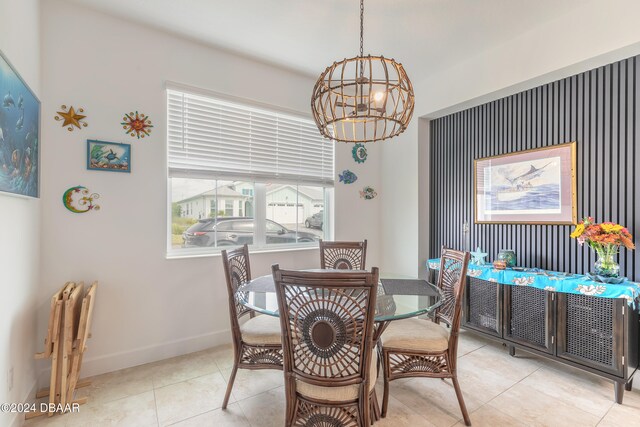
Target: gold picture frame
(536, 186)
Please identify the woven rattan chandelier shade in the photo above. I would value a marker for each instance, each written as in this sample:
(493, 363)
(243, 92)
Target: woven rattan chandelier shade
(363, 99)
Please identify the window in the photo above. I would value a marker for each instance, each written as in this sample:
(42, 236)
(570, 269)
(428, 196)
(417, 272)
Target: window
(228, 208)
(229, 159)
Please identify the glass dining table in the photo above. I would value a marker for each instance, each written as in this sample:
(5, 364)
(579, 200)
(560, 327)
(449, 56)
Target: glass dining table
(397, 298)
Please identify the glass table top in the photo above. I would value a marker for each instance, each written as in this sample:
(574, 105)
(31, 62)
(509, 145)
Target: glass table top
(398, 298)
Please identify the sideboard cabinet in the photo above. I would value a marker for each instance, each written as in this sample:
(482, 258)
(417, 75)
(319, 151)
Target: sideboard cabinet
(598, 335)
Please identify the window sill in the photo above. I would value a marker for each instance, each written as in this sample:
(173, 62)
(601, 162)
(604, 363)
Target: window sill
(262, 250)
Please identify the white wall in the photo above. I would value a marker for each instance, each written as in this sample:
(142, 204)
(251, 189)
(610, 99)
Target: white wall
(148, 307)
(357, 218)
(20, 219)
(597, 33)
(399, 206)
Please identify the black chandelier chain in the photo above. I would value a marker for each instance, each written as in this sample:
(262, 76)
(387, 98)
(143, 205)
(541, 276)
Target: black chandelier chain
(361, 28)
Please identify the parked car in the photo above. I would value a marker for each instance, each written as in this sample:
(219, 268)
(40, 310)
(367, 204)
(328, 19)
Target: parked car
(233, 231)
(315, 220)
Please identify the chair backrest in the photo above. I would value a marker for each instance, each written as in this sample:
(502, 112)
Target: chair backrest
(343, 255)
(451, 281)
(237, 271)
(327, 325)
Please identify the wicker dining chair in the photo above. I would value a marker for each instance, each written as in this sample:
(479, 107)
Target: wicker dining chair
(424, 348)
(343, 255)
(329, 353)
(257, 343)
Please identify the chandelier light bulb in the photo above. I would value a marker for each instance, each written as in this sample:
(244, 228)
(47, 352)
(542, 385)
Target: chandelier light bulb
(378, 96)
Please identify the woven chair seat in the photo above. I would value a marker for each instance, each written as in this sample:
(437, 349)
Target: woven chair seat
(337, 394)
(415, 335)
(262, 330)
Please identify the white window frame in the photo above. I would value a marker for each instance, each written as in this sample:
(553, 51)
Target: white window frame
(259, 193)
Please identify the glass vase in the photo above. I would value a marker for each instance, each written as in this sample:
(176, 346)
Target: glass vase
(606, 264)
(508, 256)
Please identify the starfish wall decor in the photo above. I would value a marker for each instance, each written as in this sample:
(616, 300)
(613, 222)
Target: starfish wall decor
(71, 118)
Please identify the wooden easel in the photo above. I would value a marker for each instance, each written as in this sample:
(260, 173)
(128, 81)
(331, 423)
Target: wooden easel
(68, 330)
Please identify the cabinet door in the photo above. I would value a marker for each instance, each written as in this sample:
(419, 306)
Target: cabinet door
(483, 306)
(591, 331)
(529, 317)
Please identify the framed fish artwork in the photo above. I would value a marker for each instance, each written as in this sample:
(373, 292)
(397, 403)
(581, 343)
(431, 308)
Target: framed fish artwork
(527, 187)
(19, 134)
(108, 156)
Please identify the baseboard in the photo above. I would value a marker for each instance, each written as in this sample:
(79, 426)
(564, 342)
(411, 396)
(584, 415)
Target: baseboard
(115, 361)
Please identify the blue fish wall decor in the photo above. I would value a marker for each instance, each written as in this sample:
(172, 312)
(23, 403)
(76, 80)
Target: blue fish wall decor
(347, 177)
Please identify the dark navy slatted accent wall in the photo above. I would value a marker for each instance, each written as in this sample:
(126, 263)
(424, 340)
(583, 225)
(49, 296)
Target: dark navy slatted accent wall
(598, 110)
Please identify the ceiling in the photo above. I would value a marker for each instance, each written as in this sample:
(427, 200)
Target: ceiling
(307, 35)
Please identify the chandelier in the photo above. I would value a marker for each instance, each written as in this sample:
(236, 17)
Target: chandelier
(363, 99)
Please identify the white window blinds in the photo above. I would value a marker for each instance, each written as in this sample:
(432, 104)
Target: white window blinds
(216, 138)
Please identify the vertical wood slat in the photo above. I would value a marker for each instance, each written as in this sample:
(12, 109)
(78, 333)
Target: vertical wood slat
(598, 109)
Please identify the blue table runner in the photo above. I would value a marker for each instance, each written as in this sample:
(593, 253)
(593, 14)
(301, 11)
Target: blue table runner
(551, 281)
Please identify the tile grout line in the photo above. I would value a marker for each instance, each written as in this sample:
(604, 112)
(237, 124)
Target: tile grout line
(186, 379)
(606, 413)
(472, 351)
(219, 371)
(504, 391)
(510, 387)
(244, 414)
(255, 395)
(182, 381)
(527, 376)
(457, 417)
(194, 416)
(155, 402)
(413, 411)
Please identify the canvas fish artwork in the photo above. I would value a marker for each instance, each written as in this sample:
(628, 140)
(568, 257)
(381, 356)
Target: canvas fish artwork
(347, 177)
(19, 134)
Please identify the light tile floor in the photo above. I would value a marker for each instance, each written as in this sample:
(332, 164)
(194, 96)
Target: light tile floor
(499, 391)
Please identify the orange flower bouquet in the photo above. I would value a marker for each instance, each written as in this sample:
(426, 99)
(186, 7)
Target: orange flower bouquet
(605, 239)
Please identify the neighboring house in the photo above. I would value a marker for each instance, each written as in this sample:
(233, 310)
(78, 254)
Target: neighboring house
(283, 202)
(232, 200)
